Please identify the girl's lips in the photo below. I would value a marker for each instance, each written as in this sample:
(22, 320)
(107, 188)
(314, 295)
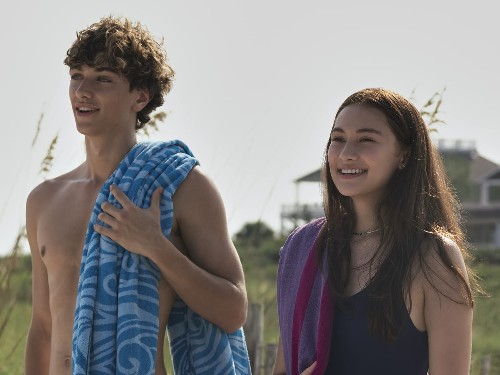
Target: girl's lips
(351, 171)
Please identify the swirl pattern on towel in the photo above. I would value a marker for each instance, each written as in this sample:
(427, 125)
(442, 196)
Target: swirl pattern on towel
(116, 318)
(200, 347)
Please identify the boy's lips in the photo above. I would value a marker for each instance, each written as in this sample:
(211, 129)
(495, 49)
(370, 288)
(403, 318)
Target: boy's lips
(86, 108)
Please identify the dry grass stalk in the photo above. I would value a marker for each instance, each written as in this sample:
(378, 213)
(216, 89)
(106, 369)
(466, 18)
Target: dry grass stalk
(48, 160)
(37, 132)
(7, 269)
(7, 316)
(16, 345)
(153, 123)
(430, 109)
(8, 265)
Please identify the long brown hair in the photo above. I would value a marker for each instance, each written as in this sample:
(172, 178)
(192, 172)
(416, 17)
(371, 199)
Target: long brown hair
(417, 211)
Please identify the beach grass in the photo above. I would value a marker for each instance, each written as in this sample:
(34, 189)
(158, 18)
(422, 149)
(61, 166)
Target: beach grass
(15, 311)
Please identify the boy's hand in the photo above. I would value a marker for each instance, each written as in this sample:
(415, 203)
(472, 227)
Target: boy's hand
(136, 229)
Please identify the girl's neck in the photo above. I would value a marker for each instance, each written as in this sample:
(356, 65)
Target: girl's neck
(366, 217)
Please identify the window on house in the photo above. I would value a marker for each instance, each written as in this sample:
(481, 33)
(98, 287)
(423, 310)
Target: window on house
(481, 233)
(494, 194)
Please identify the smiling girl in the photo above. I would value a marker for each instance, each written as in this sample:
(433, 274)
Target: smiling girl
(380, 285)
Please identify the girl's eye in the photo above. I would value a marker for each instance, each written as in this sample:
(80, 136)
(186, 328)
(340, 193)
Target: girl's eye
(337, 139)
(366, 140)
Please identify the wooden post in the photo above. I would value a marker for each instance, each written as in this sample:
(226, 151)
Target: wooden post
(271, 350)
(254, 333)
(485, 365)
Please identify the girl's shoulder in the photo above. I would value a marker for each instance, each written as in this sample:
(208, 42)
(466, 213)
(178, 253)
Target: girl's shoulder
(312, 228)
(444, 270)
(306, 232)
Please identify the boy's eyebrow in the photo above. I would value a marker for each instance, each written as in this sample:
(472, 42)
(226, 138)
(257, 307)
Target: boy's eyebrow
(105, 69)
(98, 69)
(362, 130)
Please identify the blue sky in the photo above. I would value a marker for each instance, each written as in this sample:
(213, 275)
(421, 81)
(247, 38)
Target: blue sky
(257, 85)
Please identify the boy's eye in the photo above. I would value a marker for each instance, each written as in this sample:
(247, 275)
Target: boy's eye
(75, 76)
(104, 79)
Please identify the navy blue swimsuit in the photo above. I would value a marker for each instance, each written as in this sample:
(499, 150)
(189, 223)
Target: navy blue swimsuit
(356, 351)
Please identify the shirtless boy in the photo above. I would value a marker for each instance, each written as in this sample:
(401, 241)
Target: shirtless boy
(111, 98)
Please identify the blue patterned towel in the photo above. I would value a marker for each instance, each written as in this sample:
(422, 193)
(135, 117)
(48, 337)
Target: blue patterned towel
(200, 347)
(116, 317)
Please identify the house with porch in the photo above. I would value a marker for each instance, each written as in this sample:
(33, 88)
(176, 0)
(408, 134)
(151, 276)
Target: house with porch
(476, 181)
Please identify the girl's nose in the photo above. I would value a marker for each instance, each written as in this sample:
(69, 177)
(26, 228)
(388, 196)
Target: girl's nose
(349, 152)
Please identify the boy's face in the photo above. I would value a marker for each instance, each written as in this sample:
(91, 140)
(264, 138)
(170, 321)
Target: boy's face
(103, 102)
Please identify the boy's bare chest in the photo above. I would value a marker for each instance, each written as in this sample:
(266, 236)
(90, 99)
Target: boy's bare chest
(62, 227)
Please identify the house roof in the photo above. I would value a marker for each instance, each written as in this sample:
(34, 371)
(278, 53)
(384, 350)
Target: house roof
(314, 176)
(482, 168)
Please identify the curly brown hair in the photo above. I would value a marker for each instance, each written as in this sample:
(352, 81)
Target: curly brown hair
(128, 49)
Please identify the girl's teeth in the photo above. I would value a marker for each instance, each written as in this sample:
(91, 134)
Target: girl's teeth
(352, 171)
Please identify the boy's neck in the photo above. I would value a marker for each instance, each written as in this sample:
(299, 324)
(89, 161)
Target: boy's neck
(104, 155)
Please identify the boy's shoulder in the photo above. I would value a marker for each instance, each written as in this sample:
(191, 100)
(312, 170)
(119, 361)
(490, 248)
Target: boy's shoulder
(47, 189)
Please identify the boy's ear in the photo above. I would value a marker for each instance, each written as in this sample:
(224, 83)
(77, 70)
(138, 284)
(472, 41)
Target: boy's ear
(142, 99)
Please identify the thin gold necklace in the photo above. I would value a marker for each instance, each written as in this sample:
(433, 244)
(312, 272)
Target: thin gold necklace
(366, 232)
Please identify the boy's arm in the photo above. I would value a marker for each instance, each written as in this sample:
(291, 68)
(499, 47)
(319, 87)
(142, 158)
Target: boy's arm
(211, 279)
(215, 287)
(37, 354)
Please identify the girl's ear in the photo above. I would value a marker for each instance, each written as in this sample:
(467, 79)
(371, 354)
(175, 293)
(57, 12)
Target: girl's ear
(405, 154)
(141, 100)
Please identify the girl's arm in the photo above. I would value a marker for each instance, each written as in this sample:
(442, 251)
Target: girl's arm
(449, 323)
(279, 364)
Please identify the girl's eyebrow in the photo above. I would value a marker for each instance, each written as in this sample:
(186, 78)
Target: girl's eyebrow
(362, 130)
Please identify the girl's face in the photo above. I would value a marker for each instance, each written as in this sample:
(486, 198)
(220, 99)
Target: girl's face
(363, 152)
